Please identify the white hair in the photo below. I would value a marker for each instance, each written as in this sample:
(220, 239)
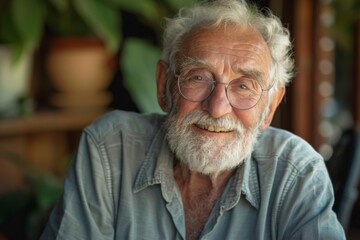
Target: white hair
(215, 13)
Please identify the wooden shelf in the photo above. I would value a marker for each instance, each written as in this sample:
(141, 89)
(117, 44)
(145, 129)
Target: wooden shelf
(46, 140)
(48, 121)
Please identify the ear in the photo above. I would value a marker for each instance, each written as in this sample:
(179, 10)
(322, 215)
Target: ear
(161, 78)
(275, 101)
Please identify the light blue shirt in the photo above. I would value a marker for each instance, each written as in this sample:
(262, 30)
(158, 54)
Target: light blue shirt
(121, 186)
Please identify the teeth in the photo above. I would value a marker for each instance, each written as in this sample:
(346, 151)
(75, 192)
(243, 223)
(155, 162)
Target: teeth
(215, 128)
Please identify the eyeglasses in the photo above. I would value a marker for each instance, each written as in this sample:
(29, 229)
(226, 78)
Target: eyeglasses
(197, 85)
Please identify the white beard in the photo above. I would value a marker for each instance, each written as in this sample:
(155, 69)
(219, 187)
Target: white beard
(204, 154)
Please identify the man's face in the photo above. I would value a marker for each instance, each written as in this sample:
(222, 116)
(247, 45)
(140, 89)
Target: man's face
(211, 135)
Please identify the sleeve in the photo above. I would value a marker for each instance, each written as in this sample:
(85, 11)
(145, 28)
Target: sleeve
(86, 209)
(306, 211)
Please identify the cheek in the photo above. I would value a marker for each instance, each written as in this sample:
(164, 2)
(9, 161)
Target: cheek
(180, 105)
(250, 118)
(184, 106)
(247, 117)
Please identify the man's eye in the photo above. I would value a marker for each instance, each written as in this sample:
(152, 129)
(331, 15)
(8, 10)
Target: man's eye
(197, 78)
(243, 86)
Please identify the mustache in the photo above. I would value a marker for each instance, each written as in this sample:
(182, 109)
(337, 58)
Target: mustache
(202, 119)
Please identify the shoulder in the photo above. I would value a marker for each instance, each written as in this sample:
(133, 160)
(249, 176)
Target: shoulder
(117, 143)
(279, 151)
(281, 145)
(122, 122)
(294, 177)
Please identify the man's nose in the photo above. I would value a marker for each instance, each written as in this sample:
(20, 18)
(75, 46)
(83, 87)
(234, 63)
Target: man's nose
(217, 104)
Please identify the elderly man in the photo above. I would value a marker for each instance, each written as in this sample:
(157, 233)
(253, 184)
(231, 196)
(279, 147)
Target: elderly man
(212, 168)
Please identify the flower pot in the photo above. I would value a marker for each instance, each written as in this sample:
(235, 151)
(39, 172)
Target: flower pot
(80, 70)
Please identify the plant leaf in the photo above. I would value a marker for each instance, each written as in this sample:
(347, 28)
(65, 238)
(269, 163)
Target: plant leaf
(138, 65)
(148, 9)
(8, 33)
(47, 190)
(177, 4)
(104, 20)
(138, 6)
(60, 5)
(23, 11)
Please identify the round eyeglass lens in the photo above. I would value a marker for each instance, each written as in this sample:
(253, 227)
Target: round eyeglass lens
(244, 93)
(195, 85)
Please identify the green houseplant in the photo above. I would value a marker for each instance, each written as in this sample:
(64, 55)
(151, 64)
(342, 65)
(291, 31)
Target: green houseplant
(14, 71)
(144, 54)
(24, 24)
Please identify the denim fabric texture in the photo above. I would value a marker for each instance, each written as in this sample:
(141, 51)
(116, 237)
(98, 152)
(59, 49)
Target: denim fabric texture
(121, 186)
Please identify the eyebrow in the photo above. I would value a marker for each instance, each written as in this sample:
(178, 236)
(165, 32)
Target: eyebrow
(256, 74)
(189, 61)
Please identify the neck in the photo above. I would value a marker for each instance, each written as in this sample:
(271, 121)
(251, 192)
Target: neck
(195, 182)
(199, 193)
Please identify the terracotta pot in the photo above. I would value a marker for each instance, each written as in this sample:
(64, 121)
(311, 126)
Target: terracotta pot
(80, 70)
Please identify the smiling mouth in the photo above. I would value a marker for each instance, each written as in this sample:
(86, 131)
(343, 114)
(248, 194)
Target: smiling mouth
(212, 128)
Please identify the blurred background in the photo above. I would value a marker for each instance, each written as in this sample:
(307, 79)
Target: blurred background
(64, 63)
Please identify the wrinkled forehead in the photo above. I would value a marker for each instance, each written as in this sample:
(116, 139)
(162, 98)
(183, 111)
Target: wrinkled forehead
(240, 45)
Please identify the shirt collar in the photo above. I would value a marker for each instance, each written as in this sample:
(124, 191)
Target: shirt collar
(250, 184)
(157, 168)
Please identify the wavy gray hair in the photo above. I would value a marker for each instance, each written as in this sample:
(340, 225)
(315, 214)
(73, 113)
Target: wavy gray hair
(215, 13)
